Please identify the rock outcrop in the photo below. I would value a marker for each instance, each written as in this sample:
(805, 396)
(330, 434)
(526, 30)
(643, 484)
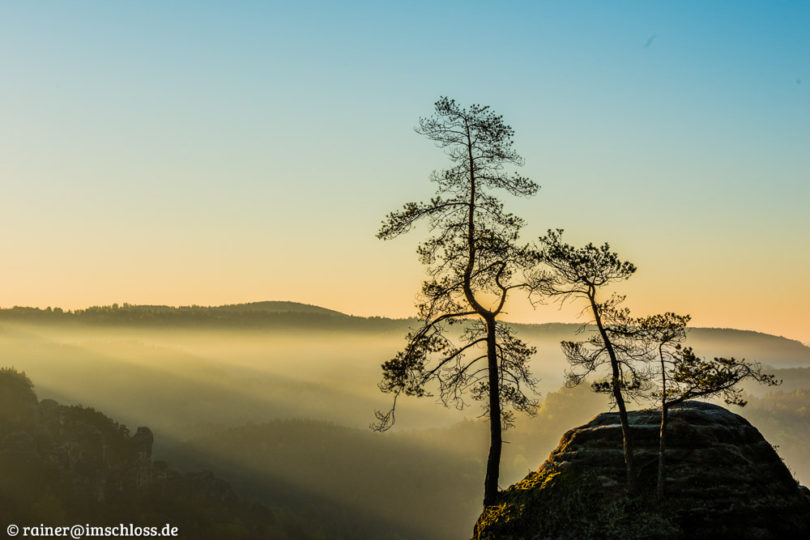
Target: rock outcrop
(723, 480)
(70, 464)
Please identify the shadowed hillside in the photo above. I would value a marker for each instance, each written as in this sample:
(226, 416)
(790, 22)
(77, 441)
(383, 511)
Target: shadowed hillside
(315, 480)
(63, 464)
(330, 473)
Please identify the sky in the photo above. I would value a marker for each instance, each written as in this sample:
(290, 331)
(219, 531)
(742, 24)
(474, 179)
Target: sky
(220, 152)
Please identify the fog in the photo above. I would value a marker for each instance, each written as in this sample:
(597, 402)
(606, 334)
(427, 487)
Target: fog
(173, 379)
(283, 414)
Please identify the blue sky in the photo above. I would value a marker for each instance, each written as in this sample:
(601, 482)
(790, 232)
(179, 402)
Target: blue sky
(212, 152)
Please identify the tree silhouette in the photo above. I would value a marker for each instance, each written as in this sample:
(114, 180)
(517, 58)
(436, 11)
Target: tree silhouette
(656, 340)
(684, 376)
(473, 260)
(661, 335)
(581, 273)
(17, 399)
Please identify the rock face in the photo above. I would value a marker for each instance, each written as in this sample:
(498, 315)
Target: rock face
(723, 480)
(70, 464)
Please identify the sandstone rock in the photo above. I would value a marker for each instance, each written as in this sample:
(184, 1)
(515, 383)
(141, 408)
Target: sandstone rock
(723, 480)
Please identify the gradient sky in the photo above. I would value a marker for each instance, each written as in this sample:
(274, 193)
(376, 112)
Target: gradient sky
(220, 152)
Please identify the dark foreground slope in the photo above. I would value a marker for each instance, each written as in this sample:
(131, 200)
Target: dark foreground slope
(723, 481)
(300, 480)
(72, 465)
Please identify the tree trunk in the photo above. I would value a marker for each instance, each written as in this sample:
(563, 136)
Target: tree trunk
(626, 443)
(495, 440)
(617, 396)
(659, 487)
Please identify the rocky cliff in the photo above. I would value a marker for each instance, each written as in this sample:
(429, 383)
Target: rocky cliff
(723, 480)
(70, 464)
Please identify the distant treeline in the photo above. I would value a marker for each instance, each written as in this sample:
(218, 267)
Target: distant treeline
(260, 314)
(289, 316)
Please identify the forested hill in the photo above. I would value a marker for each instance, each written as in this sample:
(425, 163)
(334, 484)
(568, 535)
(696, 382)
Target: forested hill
(775, 350)
(250, 315)
(63, 464)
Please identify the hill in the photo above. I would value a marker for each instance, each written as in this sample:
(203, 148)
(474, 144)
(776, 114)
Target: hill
(376, 485)
(278, 306)
(63, 464)
(263, 314)
(318, 479)
(775, 351)
(312, 479)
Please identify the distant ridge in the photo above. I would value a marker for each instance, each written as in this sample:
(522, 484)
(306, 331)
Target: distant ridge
(279, 306)
(265, 314)
(266, 306)
(771, 350)
(776, 351)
